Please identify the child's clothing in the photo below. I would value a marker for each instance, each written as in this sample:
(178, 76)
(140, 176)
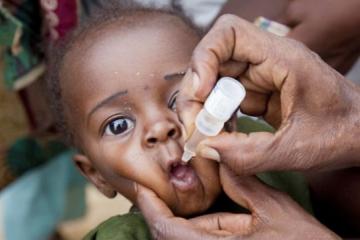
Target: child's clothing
(132, 225)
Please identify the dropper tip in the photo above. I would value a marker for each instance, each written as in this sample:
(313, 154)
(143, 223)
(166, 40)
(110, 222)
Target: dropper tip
(186, 156)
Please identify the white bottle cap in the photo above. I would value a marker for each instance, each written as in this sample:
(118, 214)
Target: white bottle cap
(225, 98)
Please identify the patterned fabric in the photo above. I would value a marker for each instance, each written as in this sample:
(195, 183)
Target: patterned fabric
(22, 22)
(13, 124)
(60, 17)
(22, 32)
(27, 28)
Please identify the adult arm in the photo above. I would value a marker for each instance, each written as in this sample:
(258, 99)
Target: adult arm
(328, 27)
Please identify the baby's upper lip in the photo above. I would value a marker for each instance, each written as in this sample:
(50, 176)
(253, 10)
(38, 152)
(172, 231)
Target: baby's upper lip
(170, 155)
(172, 163)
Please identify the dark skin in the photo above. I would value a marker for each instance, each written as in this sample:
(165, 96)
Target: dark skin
(251, 9)
(119, 94)
(120, 162)
(331, 29)
(328, 27)
(283, 81)
(270, 68)
(336, 199)
(273, 215)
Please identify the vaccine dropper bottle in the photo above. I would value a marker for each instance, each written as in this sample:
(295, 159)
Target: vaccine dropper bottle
(222, 102)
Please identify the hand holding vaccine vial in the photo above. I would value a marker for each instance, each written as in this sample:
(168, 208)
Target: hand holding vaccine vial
(222, 102)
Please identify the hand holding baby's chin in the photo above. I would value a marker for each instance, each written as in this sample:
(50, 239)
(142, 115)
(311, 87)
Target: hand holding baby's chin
(266, 219)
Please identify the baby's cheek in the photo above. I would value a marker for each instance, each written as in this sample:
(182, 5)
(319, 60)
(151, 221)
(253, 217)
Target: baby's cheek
(130, 165)
(125, 187)
(150, 176)
(208, 172)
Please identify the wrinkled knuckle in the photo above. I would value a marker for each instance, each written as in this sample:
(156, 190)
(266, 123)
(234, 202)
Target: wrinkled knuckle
(296, 45)
(159, 230)
(228, 19)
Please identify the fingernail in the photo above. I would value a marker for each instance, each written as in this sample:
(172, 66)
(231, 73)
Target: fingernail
(196, 81)
(184, 133)
(209, 153)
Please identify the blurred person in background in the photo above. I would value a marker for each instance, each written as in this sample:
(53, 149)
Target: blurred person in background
(40, 186)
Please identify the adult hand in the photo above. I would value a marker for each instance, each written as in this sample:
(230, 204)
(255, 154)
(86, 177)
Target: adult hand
(328, 27)
(314, 108)
(274, 215)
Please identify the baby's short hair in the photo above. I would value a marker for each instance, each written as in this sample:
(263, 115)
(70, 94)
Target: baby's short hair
(127, 14)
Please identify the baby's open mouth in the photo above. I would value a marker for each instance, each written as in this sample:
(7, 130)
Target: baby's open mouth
(183, 176)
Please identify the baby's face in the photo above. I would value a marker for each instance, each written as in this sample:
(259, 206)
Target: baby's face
(121, 100)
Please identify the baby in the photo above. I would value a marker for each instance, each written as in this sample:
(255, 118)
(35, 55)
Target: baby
(114, 83)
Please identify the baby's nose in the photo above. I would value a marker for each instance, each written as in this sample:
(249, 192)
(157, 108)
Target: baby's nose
(161, 132)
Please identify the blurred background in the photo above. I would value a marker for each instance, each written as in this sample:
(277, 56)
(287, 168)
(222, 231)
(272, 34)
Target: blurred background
(99, 208)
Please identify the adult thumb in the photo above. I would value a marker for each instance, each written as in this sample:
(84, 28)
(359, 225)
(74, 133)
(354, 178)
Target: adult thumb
(244, 154)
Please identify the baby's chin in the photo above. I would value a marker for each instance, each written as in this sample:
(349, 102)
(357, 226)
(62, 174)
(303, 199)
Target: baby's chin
(189, 209)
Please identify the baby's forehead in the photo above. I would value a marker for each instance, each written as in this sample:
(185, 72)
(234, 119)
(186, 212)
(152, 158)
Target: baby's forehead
(98, 32)
(112, 40)
(140, 47)
(115, 51)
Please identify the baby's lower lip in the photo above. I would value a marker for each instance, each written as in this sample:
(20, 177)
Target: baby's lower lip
(183, 177)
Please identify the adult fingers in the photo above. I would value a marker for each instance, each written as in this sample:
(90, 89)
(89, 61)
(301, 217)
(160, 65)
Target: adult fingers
(162, 222)
(245, 154)
(187, 104)
(151, 205)
(228, 48)
(274, 213)
(230, 39)
(224, 223)
(251, 193)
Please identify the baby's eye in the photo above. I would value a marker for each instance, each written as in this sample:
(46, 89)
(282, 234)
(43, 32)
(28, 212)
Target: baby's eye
(172, 101)
(119, 126)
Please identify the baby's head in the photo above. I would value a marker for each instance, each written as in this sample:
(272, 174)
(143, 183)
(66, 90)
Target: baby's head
(115, 87)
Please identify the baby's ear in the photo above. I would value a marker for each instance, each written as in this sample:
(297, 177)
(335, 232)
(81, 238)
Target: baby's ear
(93, 175)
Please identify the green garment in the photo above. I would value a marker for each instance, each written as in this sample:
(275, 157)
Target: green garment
(129, 226)
(132, 225)
(20, 33)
